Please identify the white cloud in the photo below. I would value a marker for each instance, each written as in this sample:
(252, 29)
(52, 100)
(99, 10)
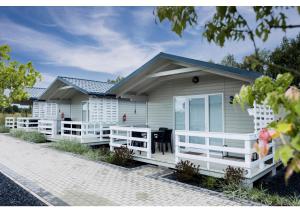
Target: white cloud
(47, 79)
(113, 52)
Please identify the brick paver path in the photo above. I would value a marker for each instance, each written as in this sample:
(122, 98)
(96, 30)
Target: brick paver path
(78, 181)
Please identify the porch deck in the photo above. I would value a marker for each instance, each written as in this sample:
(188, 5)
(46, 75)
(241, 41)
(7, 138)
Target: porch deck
(168, 160)
(212, 157)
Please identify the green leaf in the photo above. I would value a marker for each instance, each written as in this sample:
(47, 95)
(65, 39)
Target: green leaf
(284, 127)
(285, 153)
(296, 142)
(297, 108)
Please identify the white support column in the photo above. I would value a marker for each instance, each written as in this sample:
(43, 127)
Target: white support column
(111, 148)
(176, 148)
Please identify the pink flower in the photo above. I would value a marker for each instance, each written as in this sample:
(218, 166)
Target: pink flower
(262, 145)
(264, 135)
(262, 148)
(292, 94)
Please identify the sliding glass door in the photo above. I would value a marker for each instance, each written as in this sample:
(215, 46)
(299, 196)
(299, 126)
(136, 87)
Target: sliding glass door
(196, 117)
(199, 113)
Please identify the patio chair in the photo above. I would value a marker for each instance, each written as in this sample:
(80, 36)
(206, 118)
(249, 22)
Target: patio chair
(163, 137)
(158, 137)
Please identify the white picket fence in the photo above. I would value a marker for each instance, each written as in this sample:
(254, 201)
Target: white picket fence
(122, 136)
(27, 123)
(48, 127)
(85, 132)
(207, 152)
(10, 122)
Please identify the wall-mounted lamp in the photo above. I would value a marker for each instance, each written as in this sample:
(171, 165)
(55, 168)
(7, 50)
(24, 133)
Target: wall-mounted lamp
(195, 79)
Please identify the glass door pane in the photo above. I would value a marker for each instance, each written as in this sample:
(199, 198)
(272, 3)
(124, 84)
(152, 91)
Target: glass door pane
(197, 118)
(180, 113)
(180, 106)
(215, 117)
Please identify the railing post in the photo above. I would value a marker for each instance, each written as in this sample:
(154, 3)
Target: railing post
(273, 152)
(248, 153)
(82, 128)
(176, 148)
(149, 144)
(62, 128)
(128, 141)
(207, 152)
(101, 132)
(111, 148)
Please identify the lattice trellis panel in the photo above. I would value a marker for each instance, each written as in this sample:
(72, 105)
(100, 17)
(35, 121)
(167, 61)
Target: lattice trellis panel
(44, 110)
(103, 110)
(262, 115)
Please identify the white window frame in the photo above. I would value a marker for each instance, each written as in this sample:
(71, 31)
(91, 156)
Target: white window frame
(187, 115)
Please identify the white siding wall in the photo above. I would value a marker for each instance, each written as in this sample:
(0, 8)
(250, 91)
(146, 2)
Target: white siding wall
(160, 102)
(133, 118)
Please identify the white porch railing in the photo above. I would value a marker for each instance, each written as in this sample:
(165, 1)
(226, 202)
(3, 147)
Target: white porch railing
(27, 123)
(85, 132)
(122, 136)
(48, 127)
(10, 122)
(207, 153)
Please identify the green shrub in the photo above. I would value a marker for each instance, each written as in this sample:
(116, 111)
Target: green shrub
(71, 146)
(186, 171)
(233, 176)
(101, 154)
(16, 133)
(260, 195)
(4, 129)
(121, 156)
(210, 182)
(35, 137)
(31, 136)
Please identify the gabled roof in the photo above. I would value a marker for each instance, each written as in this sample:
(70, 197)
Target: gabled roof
(34, 92)
(91, 87)
(85, 86)
(212, 67)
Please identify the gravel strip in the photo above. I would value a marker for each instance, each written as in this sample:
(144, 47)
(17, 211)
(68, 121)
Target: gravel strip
(12, 194)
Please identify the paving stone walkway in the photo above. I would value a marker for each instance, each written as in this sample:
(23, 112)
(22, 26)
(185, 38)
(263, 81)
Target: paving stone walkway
(63, 179)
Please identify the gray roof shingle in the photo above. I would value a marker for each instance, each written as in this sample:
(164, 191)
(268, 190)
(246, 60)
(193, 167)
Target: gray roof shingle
(91, 87)
(34, 92)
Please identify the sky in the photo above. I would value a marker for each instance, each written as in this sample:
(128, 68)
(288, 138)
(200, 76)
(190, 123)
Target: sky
(101, 43)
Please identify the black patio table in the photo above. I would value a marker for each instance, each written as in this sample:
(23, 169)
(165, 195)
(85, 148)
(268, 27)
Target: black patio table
(142, 135)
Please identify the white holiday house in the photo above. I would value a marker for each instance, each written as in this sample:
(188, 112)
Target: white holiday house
(194, 99)
(81, 109)
(30, 122)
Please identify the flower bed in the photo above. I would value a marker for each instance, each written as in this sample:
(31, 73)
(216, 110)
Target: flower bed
(121, 157)
(231, 186)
